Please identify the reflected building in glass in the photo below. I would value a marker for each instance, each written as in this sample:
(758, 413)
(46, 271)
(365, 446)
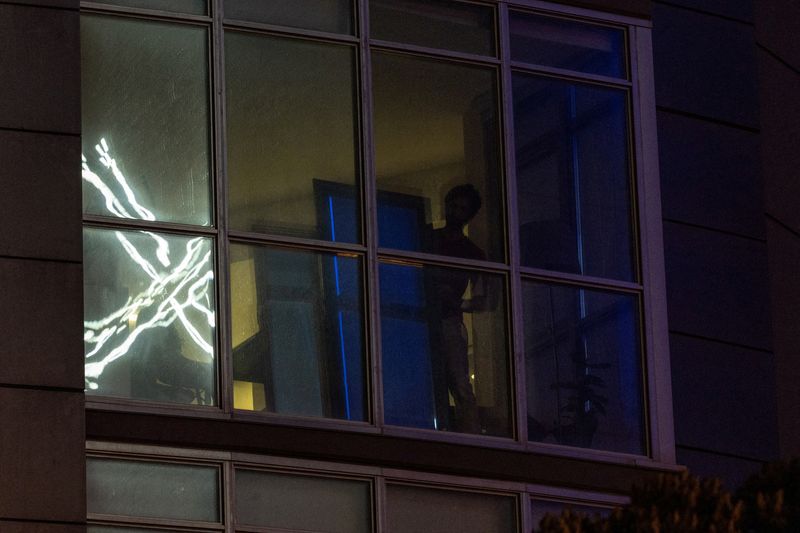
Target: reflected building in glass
(387, 266)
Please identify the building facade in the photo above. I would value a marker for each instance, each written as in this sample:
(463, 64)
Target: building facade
(390, 265)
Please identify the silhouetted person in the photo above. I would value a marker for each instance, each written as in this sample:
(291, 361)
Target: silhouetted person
(449, 357)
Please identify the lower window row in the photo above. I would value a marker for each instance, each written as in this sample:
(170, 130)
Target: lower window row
(134, 495)
(298, 340)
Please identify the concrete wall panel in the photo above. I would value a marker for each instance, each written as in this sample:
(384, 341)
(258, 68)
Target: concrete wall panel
(724, 398)
(42, 446)
(717, 286)
(40, 206)
(41, 312)
(39, 59)
(705, 65)
(710, 175)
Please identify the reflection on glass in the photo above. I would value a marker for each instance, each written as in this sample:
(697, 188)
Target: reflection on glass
(335, 16)
(193, 7)
(583, 365)
(151, 489)
(434, 24)
(540, 508)
(445, 356)
(573, 183)
(298, 332)
(567, 44)
(149, 316)
(292, 156)
(426, 510)
(145, 120)
(293, 502)
(436, 127)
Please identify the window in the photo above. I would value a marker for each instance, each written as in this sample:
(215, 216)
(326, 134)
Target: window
(415, 216)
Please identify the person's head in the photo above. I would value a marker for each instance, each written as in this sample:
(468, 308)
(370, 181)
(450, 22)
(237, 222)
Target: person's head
(461, 204)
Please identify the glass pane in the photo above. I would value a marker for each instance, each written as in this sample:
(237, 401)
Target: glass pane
(154, 490)
(445, 353)
(303, 502)
(436, 128)
(573, 183)
(540, 508)
(567, 44)
(145, 116)
(298, 332)
(434, 24)
(292, 153)
(424, 510)
(149, 316)
(584, 367)
(335, 16)
(193, 7)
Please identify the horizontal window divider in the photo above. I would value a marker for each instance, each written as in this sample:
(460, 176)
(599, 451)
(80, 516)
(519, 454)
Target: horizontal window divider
(482, 441)
(266, 417)
(390, 46)
(311, 467)
(567, 495)
(243, 237)
(588, 15)
(256, 529)
(133, 224)
(570, 75)
(119, 450)
(287, 31)
(110, 519)
(449, 482)
(130, 405)
(536, 274)
(419, 258)
(150, 14)
(591, 454)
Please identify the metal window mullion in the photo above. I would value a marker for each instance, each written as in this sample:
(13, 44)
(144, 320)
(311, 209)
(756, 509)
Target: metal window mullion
(438, 53)
(658, 388)
(568, 278)
(247, 237)
(224, 359)
(570, 75)
(287, 31)
(370, 217)
(519, 397)
(229, 496)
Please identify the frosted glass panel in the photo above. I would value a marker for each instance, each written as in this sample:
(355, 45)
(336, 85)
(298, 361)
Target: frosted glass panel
(149, 316)
(423, 510)
(303, 502)
(145, 119)
(153, 490)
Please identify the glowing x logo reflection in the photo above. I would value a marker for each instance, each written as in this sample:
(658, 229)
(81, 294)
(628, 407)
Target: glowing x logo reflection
(180, 281)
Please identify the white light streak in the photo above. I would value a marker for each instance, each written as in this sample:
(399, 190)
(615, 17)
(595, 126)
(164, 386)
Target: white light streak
(179, 291)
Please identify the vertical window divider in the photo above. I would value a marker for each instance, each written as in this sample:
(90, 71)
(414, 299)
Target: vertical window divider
(519, 398)
(221, 210)
(526, 516)
(370, 213)
(228, 496)
(658, 384)
(381, 525)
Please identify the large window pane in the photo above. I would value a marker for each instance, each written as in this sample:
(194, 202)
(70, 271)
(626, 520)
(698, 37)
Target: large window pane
(153, 490)
(434, 24)
(584, 370)
(424, 510)
(149, 316)
(298, 332)
(563, 43)
(194, 7)
(335, 16)
(293, 502)
(292, 153)
(145, 116)
(573, 181)
(445, 352)
(436, 128)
